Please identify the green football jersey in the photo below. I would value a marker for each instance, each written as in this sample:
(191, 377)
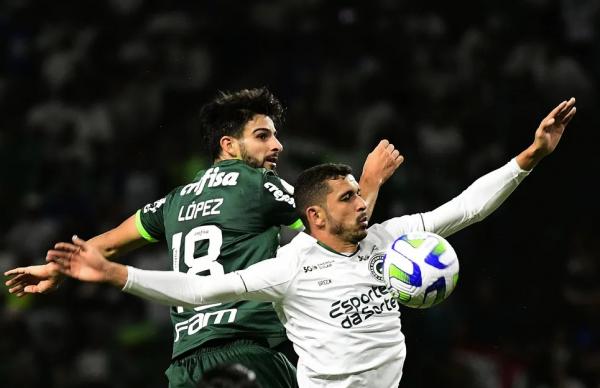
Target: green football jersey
(227, 219)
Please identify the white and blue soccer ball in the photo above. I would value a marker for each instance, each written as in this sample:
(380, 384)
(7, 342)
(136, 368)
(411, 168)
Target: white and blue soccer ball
(421, 269)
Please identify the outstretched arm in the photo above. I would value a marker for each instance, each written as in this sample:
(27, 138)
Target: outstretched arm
(487, 193)
(264, 281)
(379, 166)
(46, 278)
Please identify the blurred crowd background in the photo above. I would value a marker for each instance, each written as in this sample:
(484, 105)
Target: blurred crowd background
(98, 110)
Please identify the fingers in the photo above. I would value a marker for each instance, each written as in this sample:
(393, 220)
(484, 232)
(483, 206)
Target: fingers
(63, 246)
(565, 110)
(19, 289)
(556, 110)
(15, 280)
(29, 290)
(81, 243)
(60, 257)
(567, 113)
(569, 116)
(562, 109)
(562, 114)
(399, 160)
(570, 103)
(383, 144)
(15, 285)
(15, 271)
(384, 147)
(389, 149)
(19, 285)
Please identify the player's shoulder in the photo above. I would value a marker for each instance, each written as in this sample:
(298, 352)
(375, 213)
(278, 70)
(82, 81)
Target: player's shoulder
(379, 232)
(299, 247)
(394, 227)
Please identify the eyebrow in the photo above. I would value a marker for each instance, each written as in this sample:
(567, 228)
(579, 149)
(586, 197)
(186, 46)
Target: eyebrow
(264, 129)
(346, 193)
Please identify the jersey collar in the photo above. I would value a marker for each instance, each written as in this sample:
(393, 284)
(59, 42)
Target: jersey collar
(326, 247)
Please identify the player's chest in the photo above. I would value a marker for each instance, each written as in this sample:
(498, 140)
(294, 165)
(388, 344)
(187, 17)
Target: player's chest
(334, 276)
(347, 292)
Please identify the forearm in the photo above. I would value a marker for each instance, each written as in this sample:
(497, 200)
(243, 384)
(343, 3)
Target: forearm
(369, 191)
(180, 289)
(529, 158)
(478, 201)
(118, 241)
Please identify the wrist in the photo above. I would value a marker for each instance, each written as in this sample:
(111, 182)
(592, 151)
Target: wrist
(530, 157)
(116, 274)
(367, 182)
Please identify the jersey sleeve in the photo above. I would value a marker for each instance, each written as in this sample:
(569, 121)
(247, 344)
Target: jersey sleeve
(181, 289)
(474, 204)
(278, 201)
(265, 281)
(269, 280)
(477, 201)
(401, 225)
(149, 220)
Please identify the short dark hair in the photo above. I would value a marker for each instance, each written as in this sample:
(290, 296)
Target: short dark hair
(311, 187)
(227, 114)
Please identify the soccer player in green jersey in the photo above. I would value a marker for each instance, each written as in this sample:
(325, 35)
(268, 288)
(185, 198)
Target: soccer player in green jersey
(226, 219)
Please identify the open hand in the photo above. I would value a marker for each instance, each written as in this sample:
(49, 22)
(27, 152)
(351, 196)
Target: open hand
(35, 279)
(552, 127)
(79, 260)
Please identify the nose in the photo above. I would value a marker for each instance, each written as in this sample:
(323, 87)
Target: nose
(276, 145)
(361, 204)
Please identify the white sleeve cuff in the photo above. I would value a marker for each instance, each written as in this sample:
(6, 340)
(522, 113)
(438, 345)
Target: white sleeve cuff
(516, 168)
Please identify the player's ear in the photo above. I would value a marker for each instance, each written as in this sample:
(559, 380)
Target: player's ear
(316, 216)
(230, 147)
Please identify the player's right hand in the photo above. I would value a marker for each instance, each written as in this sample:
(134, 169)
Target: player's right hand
(35, 279)
(382, 162)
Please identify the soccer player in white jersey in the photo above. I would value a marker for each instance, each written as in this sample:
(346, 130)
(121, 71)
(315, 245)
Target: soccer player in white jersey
(327, 282)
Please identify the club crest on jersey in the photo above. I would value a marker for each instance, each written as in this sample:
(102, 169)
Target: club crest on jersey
(376, 265)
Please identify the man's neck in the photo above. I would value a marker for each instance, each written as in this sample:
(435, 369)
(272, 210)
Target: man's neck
(221, 158)
(334, 243)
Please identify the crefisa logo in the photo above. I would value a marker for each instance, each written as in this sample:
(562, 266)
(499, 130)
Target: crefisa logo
(376, 265)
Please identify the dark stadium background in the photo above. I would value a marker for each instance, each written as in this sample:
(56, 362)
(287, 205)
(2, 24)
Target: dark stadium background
(98, 101)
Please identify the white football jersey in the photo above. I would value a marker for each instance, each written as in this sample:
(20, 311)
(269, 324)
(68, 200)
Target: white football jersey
(336, 308)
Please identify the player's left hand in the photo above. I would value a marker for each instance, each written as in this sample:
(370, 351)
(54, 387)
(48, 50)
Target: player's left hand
(552, 127)
(381, 163)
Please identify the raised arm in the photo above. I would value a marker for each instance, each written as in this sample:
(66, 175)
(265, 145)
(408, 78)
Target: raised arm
(548, 135)
(487, 193)
(379, 166)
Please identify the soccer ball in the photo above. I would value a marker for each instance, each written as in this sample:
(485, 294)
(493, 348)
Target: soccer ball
(421, 269)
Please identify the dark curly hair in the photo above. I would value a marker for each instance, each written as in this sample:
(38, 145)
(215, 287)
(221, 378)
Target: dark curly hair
(228, 113)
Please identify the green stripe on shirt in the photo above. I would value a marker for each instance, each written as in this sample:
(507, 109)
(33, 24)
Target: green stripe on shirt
(298, 225)
(140, 228)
